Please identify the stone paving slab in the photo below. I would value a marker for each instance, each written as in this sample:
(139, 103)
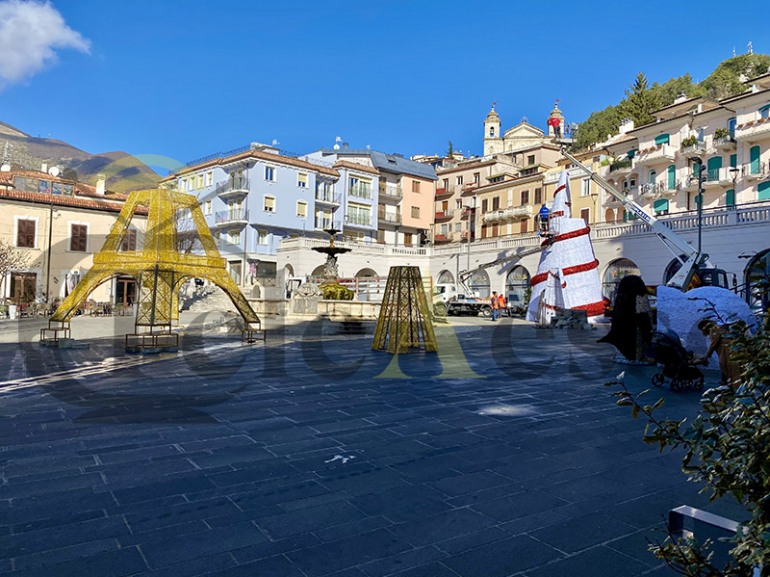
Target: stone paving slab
(313, 456)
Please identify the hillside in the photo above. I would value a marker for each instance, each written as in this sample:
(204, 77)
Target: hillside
(124, 172)
(726, 80)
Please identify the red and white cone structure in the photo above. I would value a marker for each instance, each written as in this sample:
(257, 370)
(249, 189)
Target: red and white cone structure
(568, 273)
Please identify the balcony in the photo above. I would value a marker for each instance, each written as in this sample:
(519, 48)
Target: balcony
(696, 148)
(361, 190)
(233, 188)
(755, 171)
(440, 238)
(621, 168)
(327, 223)
(232, 217)
(327, 197)
(358, 220)
(390, 191)
(511, 213)
(443, 193)
(656, 155)
(754, 130)
(444, 214)
(389, 217)
(469, 189)
(724, 143)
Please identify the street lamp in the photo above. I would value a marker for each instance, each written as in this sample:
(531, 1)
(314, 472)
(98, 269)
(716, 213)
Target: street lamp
(699, 199)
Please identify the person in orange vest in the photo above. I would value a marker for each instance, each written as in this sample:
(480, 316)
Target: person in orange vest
(494, 304)
(501, 306)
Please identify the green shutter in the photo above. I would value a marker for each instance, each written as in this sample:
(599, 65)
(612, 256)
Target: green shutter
(733, 161)
(671, 173)
(661, 139)
(660, 205)
(730, 197)
(714, 165)
(754, 160)
(763, 191)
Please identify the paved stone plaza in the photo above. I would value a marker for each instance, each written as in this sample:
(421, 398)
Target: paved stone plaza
(313, 456)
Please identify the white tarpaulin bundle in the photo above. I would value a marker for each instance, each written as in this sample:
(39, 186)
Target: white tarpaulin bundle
(567, 276)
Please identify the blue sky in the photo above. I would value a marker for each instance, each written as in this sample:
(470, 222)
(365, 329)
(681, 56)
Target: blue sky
(184, 79)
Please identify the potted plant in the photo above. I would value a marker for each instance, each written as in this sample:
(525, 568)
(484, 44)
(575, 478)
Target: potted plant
(690, 141)
(720, 133)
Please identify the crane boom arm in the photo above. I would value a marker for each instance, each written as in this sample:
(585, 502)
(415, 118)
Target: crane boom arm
(520, 253)
(694, 259)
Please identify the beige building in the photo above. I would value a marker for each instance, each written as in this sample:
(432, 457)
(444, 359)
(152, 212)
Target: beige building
(59, 225)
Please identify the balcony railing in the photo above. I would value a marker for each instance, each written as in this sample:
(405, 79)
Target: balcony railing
(232, 216)
(444, 214)
(391, 190)
(327, 197)
(327, 223)
(440, 238)
(724, 143)
(443, 192)
(389, 217)
(622, 166)
(511, 213)
(697, 148)
(234, 187)
(753, 129)
(358, 220)
(755, 170)
(659, 153)
(361, 190)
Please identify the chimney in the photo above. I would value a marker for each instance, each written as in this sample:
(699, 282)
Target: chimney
(100, 184)
(44, 167)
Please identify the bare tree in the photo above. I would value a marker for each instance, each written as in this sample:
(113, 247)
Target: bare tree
(11, 258)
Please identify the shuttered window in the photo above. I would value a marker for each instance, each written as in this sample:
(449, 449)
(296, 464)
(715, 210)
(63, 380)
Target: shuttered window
(25, 233)
(78, 237)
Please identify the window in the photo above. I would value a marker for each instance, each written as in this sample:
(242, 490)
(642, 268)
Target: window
(459, 179)
(524, 197)
(476, 178)
(261, 236)
(360, 188)
(585, 187)
(661, 139)
(415, 212)
(415, 186)
(359, 214)
(129, 240)
(538, 196)
(445, 183)
(585, 214)
(531, 159)
(302, 180)
(525, 225)
(458, 203)
(25, 233)
(458, 227)
(78, 237)
(207, 208)
(234, 237)
(270, 173)
(301, 209)
(660, 206)
(764, 112)
(209, 178)
(496, 203)
(484, 205)
(269, 204)
(200, 181)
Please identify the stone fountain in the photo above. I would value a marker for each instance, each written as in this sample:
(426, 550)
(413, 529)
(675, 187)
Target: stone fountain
(330, 288)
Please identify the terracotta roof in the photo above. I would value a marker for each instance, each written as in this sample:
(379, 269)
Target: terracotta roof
(80, 188)
(98, 203)
(356, 166)
(267, 156)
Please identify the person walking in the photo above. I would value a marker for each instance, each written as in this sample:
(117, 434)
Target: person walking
(494, 304)
(501, 305)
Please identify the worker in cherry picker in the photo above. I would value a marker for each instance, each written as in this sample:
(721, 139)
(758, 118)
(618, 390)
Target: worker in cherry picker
(555, 123)
(542, 221)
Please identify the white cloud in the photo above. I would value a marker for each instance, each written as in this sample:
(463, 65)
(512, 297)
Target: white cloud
(30, 34)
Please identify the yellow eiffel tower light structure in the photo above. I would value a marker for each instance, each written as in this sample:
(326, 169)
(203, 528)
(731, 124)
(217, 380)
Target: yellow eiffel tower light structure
(404, 323)
(159, 266)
